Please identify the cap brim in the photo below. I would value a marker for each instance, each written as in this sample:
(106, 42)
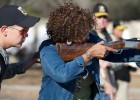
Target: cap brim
(28, 21)
(98, 14)
(120, 27)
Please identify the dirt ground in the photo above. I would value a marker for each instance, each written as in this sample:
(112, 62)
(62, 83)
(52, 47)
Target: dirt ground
(26, 87)
(22, 87)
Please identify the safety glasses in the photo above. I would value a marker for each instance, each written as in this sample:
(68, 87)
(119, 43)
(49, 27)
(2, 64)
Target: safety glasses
(22, 32)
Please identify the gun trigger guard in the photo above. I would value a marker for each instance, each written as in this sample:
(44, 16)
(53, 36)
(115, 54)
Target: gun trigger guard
(119, 51)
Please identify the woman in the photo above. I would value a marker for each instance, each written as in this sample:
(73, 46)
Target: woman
(79, 78)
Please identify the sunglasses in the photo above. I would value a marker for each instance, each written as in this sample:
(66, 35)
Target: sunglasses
(22, 32)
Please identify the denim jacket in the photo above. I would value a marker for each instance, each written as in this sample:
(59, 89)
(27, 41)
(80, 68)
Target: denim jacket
(59, 78)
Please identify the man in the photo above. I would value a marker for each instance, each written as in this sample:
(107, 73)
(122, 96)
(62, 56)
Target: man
(118, 29)
(121, 70)
(101, 15)
(14, 25)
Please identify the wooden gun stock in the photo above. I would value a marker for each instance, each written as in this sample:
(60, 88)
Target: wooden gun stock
(69, 52)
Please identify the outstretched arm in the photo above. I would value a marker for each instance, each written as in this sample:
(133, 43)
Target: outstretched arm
(21, 67)
(124, 55)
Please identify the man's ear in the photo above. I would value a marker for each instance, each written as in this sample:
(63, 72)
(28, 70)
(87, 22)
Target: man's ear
(4, 30)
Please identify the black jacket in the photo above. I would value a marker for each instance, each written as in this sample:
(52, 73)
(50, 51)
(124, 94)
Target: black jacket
(123, 73)
(2, 68)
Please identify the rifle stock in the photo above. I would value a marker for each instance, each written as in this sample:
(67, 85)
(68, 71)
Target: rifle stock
(69, 52)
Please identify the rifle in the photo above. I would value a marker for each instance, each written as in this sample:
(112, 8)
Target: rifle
(69, 52)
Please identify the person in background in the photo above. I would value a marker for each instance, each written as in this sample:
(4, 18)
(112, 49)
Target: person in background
(101, 15)
(14, 26)
(121, 70)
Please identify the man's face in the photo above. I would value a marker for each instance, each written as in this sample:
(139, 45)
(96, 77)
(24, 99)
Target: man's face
(16, 35)
(118, 33)
(101, 22)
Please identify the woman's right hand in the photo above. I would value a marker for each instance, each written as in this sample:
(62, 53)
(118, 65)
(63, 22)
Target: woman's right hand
(98, 50)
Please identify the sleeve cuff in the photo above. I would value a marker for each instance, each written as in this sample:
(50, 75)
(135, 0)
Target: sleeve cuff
(80, 61)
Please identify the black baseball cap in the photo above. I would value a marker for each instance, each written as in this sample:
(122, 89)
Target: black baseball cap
(16, 15)
(117, 24)
(100, 9)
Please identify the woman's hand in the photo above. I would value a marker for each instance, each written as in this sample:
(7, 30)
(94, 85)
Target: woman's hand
(98, 50)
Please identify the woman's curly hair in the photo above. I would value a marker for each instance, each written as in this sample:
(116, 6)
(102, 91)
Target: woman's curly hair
(69, 22)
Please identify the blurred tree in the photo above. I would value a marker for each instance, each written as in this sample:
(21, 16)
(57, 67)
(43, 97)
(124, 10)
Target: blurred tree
(123, 9)
(3, 2)
(17, 2)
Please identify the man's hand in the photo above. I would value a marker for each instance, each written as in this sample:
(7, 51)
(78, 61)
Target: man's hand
(34, 58)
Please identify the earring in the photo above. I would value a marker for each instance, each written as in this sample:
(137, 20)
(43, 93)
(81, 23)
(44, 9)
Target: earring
(69, 42)
(49, 36)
